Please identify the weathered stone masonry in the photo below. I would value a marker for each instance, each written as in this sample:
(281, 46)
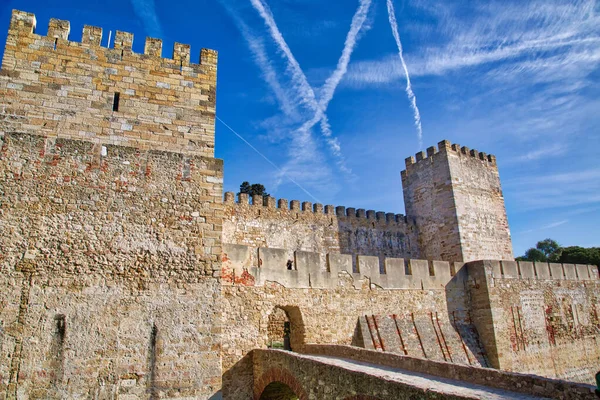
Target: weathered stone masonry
(110, 221)
(317, 228)
(455, 198)
(58, 88)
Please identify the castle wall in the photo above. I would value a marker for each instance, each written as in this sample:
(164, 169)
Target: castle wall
(109, 271)
(58, 88)
(538, 318)
(327, 316)
(416, 308)
(480, 210)
(455, 198)
(317, 228)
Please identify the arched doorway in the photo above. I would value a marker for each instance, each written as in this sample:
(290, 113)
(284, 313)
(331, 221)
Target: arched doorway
(278, 330)
(278, 391)
(285, 328)
(278, 384)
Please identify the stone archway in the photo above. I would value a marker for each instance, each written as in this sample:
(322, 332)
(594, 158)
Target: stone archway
(278, 391)
(278, 384)
(285, 328)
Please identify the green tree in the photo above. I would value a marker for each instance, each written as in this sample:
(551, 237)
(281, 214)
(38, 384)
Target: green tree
(254, 189)
(550, 248)
(580, 255)
(534, 254)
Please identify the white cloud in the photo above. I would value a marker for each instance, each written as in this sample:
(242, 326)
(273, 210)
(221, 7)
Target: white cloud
(146, 12)
(328, 89)
(538, 153)
(539, 37)
(298, 98)
(562, 190)
(546, 227)
(409, 91)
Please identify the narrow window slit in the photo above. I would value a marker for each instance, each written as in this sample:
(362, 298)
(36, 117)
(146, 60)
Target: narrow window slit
(116, 101)
(55, 43)
(187, 169)
(181, 66)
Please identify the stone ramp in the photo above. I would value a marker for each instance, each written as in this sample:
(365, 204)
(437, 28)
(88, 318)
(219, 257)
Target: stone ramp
(428, 383)
(429, 335)
(344, 372)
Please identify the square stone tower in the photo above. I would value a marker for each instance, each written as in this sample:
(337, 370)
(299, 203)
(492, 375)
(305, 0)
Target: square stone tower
(110, 218)
(55, 87)
(455, 198)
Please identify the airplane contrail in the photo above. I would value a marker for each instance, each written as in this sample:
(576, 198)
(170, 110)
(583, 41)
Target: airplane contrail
(334, 79)
(307, 94)
(409, 91)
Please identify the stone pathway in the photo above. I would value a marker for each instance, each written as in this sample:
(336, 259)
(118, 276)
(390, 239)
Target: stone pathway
(424, 381)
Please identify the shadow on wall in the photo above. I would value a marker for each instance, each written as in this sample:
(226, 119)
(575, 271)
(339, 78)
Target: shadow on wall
(278, 391)
(286, 322)
(458, 301)
(238, 381)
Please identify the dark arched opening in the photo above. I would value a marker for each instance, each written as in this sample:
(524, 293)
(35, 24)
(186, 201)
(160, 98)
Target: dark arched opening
(278, 391)
(278, 330)
(285, 328)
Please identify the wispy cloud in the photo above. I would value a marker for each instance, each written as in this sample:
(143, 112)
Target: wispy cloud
(302, 139)
(146, 12)
(306, 93)
(264, 63)
(331, 84)
(538, 153)
(562, 190)
(546, 227)
(531, 36)
(409, 91)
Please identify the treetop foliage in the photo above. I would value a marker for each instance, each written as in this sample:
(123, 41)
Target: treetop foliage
(548, 250)
(252, 189)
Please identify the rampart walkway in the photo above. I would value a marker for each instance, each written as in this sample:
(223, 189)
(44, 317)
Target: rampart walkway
(278, 373)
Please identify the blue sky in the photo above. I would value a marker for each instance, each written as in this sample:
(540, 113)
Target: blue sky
(319, 89)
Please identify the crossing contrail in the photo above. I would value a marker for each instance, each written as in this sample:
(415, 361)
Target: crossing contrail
(307, 94)
(409, 91)
(334, 79)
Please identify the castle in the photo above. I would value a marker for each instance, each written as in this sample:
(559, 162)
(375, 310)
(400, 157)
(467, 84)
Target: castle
(125, 272)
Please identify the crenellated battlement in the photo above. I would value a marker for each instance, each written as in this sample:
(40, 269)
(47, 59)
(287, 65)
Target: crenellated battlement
(446, 147)
(255, 266)
(307, 208)
(250, 266)
(55, 87)
(23, 23)
(543, 271)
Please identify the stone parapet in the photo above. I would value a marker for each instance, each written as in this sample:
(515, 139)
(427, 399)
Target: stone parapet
(444, 147)
(56, 87)
(244, 202)
(522, 383)
(543, 271)
(243, 265)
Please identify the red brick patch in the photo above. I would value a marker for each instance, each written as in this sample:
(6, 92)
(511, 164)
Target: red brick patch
(278, 375)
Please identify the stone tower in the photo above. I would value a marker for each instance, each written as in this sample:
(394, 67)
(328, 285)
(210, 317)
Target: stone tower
(110, 218)
(455, 198)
